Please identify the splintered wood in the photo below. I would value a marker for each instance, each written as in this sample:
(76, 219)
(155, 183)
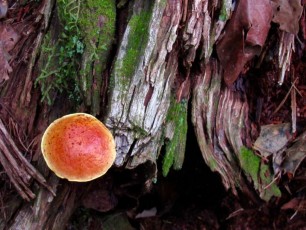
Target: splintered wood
(18, 169)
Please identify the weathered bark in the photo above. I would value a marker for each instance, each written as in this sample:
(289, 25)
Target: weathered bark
(141, 80)
(136, 66)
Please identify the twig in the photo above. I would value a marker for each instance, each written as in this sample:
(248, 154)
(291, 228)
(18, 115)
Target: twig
(235, 213)
(15, 179)
(284, 100)
(18, 169)
(272, 182)
(293, 104)
(294, 214)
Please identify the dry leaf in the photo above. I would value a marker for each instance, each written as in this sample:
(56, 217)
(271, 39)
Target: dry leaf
(244, 36)
(273, 138)
(295, 204)
(287, 14)
(295, 155)
(292, 204)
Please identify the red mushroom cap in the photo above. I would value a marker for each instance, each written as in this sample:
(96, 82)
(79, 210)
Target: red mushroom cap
(78, 147)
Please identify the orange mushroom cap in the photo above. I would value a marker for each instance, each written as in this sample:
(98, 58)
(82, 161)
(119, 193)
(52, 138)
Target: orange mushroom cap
(78, 147)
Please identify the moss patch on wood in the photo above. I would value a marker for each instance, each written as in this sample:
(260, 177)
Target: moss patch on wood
(75, 56)
(270, 188)
(139, 26)
(250, 163)
(175, 147)
(260, 174)
(225, 10)
(97, 22)
(61, 52)
(137, 40)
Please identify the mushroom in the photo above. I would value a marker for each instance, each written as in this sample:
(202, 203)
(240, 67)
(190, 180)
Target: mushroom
(78, 147)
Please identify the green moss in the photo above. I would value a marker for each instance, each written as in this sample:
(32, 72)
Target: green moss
(168, 161)
(97, 22)
(164, 3)
(81, 50)
(250, 163)
(271, 189)
(61, 52)
(139, 26)
(175, 148)
(260, 174)
(60, 55)
(225, 10)
(212, 163)
(137, 41)
(139, 132)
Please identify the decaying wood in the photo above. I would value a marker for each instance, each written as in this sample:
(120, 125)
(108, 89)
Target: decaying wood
(217, 114)
(173, 58)
(19, 103)
(48, 212)
(139, 103)
(286, 46)
(293, 104)
(19, 170)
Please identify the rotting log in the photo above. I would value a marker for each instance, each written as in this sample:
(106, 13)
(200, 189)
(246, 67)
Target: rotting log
(139, 66)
